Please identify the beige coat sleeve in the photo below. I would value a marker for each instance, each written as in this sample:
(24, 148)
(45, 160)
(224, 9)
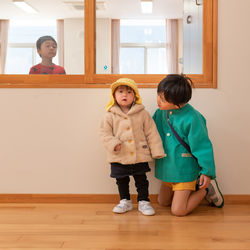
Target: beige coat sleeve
(106, 133)
(153, 137)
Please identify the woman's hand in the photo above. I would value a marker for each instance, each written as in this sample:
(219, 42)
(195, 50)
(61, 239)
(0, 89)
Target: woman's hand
(204, 181)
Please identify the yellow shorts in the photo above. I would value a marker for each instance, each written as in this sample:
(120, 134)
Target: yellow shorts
(181, 185)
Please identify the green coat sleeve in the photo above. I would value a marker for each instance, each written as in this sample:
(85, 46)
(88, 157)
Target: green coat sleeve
(158, 122)
(201, 146)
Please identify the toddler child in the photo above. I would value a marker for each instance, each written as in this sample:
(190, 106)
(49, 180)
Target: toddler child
(131, 139)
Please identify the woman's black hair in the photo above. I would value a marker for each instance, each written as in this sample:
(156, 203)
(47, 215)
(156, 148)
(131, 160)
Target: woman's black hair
(177, 89)
(42, 39)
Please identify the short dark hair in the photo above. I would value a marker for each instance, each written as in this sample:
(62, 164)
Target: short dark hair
(177, 88)
(42, 39)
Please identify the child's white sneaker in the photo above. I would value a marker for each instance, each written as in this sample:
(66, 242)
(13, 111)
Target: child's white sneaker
(123, 207)
(214, 195)
(145, 208)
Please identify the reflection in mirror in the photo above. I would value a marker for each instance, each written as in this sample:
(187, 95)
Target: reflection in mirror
(19, 31)
(160, 41)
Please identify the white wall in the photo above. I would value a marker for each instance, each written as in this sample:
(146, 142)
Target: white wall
(180, 45)
(103, 45)
(49, 141)
(74, 45)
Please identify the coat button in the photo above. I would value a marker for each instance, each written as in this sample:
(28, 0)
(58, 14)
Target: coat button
(128, 128)
(129, 141)
(168, 134)
(170, 112)
(132, 153)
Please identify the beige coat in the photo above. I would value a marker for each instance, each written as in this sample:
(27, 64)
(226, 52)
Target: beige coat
(135, 131)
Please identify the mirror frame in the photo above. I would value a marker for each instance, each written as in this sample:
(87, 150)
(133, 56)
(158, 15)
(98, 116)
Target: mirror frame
(92, 80)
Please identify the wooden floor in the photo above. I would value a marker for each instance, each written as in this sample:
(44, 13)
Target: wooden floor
(95, 227)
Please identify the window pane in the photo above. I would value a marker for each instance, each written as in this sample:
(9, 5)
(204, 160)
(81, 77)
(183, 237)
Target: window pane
(124, 24)
(143, 31)
(132, 61)
(22, 53)
(63, 20)
(193, 35)
(156, 61)
(30, 31)
(19, 61)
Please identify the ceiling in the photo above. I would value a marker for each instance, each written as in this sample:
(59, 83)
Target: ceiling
(56, 9)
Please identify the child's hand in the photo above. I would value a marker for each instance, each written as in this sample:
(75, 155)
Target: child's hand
(159, 156)
(204, 181)
(117, 147)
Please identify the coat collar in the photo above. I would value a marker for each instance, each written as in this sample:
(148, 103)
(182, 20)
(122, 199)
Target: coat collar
(134, 109)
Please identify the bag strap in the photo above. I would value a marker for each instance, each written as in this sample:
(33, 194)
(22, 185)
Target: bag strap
(184, 144)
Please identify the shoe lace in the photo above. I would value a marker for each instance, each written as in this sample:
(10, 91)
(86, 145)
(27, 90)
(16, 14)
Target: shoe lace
(122, 204)
(145, 205)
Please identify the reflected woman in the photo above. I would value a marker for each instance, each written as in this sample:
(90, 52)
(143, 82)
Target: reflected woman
(47, 48)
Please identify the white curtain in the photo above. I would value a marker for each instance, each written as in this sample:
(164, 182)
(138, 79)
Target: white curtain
(115, 46)
(60, 42)
(172, 45)
(4, 29)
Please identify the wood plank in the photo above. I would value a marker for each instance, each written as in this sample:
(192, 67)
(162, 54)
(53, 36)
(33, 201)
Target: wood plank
(89, 38)
(96, 227)
(95, 198)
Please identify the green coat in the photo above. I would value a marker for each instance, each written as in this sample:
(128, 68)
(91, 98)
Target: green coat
(179, 165)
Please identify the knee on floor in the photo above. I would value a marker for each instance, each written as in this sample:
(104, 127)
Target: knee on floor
(163, 203)
(178, 212)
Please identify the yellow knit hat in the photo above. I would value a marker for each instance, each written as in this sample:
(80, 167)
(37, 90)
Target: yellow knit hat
(126, 82)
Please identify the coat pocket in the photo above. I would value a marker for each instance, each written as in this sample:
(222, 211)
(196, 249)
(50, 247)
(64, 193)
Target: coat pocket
(144, 148)
(186, 155)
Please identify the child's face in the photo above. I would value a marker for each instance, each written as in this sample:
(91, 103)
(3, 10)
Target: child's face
(163, 104)
(48, 49)
(124, 96)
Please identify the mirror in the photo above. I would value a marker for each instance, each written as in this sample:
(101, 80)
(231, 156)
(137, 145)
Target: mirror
(166, 39)
(21, 28)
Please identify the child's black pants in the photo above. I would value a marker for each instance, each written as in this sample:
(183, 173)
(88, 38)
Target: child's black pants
(141, 184)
